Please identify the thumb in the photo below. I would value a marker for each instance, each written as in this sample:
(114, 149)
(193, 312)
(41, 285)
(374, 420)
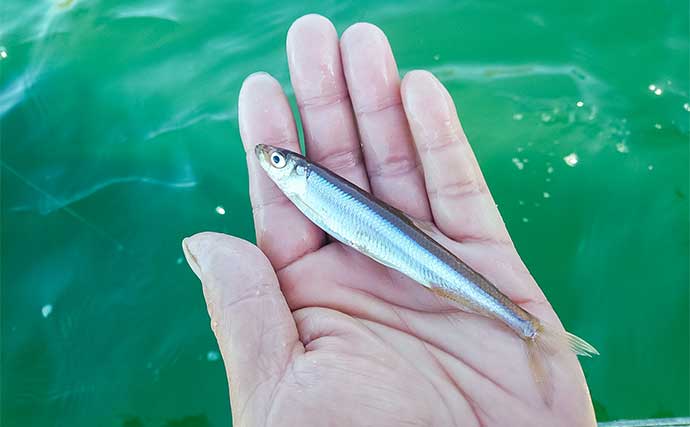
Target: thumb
(252, 322)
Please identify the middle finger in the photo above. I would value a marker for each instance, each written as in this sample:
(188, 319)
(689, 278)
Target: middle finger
(374, 85)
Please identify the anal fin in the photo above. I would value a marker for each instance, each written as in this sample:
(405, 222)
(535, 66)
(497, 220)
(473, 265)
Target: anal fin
(449, 295)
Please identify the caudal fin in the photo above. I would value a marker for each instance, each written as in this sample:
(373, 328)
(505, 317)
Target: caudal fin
(553, 340)
(549, 341)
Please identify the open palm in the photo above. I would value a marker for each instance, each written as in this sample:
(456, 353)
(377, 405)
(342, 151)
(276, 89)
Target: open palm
(312, 332)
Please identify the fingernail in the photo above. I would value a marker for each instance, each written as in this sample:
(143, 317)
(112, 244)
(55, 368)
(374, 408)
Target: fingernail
(369, 65)
(255, 85)
(258, 74)
(194, 252)
(263, 111)
(314, 58)
(425, 98)
(191, 251)
(210, 256)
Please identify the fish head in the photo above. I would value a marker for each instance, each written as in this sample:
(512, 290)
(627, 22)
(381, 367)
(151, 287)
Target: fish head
(286, 168)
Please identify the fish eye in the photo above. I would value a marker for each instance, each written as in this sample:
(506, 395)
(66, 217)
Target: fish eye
(277, 160)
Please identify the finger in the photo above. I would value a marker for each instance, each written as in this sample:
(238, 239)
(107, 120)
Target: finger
(374, 85)
(254, 327)
(317, 77)
(282, 232)
(460, 200)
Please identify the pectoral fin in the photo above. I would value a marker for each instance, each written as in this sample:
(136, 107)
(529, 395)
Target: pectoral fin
(381, 261)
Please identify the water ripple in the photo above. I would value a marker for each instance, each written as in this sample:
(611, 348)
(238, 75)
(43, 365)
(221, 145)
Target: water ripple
(14, 93)
(161, 12)
(462, 72)
(186, 119)
(56, 203)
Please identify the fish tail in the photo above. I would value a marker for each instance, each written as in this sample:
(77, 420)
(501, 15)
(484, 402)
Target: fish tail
(553, 340)
(548, 341)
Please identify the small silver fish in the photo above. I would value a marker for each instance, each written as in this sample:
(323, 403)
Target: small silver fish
(385, 234)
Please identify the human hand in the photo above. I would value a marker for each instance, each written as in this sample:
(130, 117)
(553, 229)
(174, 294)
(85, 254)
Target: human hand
(314, 333)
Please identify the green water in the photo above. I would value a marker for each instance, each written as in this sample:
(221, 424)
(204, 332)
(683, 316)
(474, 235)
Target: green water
(119, 138)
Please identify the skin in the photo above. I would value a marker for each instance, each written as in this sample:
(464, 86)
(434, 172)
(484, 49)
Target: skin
(313, 333)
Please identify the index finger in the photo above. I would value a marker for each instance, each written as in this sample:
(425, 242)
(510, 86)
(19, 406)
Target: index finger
(282, 232)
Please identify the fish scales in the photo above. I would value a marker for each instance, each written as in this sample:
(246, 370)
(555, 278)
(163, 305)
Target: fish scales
(373, 228)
